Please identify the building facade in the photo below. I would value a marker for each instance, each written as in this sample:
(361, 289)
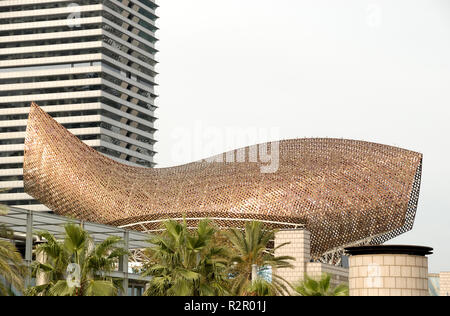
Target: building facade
(444, 280)
(91, 65)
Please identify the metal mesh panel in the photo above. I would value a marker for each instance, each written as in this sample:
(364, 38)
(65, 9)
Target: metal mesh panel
(344, 192)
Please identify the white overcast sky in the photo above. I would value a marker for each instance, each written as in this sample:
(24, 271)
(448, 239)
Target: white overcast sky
(375, 70)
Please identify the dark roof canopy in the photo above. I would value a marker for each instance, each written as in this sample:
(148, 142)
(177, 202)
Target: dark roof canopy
(389, 249)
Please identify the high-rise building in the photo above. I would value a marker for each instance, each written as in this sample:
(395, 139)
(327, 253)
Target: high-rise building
(91, 65)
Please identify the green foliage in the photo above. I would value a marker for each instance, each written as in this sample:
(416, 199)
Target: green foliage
(12, 268)
(321, 287)
(94, 261)
(208, 262)
(250, 247)
(187, 263)
(261, 287)
(3, 208)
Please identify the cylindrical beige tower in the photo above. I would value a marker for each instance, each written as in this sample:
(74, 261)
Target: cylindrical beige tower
(389, 270)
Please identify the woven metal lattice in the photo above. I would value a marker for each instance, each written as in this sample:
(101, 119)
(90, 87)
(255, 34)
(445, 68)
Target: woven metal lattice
(342, 191)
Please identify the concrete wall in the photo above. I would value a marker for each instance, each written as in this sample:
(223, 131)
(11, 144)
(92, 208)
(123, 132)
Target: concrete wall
(444, 283)
(299, 248)
(339, 275)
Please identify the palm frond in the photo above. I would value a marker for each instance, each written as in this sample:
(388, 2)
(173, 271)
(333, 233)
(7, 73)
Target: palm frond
(107, 246)
(61, 288)
(321, 287)
(100, 288)
(78, 248)
(12, 266)
(76, 239)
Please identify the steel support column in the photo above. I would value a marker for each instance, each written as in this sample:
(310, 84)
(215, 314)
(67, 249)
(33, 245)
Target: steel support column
(123, 264)
(29, 247)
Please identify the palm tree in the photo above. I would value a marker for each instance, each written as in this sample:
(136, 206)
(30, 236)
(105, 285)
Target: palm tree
(75, 266)
(3, 208)
(251, 247)
(12, 267)
(187, 263)
(261, 287)
(321, 287)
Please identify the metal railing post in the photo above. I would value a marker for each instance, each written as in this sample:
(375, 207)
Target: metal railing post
(29, 247)
(123, 264)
